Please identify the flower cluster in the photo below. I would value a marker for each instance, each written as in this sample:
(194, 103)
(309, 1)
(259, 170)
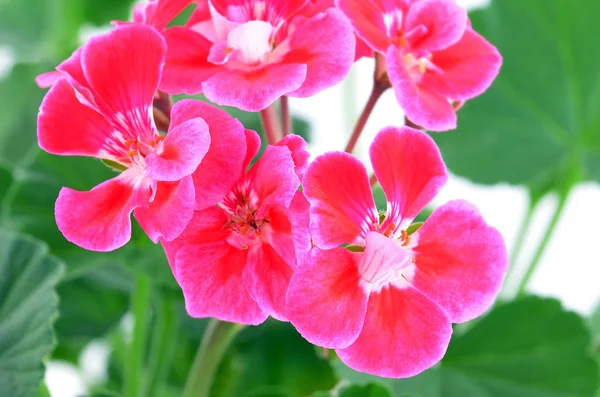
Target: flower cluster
(249, 237)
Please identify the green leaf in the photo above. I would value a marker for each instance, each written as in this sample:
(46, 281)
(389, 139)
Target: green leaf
(538, 124)
(6, 180)
(19, 102)
(49, 29)
(272, 360)
(81, 317)
(372, 390)
(43, 391)
(102, 12)
(23, 26)
(528, 348)
(369, 390)
(28, 308)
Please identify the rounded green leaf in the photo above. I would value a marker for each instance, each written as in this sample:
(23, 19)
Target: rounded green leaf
(28, 309)
(528, 348)
(540, 121)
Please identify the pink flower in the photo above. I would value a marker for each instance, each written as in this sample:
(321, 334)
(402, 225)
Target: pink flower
(314, 7)
(248, 53)
(234, 261)
(433, 57)
(100, 105)
(383, 297)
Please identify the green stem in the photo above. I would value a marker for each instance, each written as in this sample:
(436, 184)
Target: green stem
(542, 247)
(522, 234)
(134, 361)
(270, 125)
(164, 340)
(215, 342)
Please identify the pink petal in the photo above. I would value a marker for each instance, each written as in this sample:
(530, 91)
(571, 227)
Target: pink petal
(170, 212)
(460, 261)
(243, 10)
(209, 271)
(219, 53)
(410, 169)
(254, 90)
(252, 147)
(222, 19)
(275, 180)
(445, 21)
(99, 219)
(222, 165)
(47, 80)
(186, 65)
(362, 50)
(250, 42)
(368, 22)
(124, 77)
(300, 155)
(299, 215)
(180, 153)
(327, 300)
(470, 66)
(189, 235)
(381, 258)
(420, 105)
(342, 207)
(404, 334)
(73, 69)
(68, 127)
(200, 14)
(159, 13)
(326, 44)
(266, 277)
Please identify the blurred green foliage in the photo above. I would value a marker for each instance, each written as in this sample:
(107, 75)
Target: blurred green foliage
(539, 123)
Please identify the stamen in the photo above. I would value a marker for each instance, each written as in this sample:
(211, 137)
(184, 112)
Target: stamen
(405, 238)
(390, 230)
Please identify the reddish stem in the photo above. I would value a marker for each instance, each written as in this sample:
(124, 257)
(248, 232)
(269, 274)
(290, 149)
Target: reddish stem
(270, 124)
(286, 119)
(378, 90)
(373, 180)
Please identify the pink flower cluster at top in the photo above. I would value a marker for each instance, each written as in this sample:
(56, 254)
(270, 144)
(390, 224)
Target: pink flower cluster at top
(249, 238)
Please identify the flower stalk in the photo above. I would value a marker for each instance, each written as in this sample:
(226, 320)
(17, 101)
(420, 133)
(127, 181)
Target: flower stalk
(271, 125)
(376, 92)
(286, 117)
(542, 247)
(217, 339)
(134, 360)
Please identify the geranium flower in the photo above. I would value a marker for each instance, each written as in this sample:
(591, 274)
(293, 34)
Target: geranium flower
(385, 296)
(248, 53)
(100, 105)
(435, 60)
(234, 261)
